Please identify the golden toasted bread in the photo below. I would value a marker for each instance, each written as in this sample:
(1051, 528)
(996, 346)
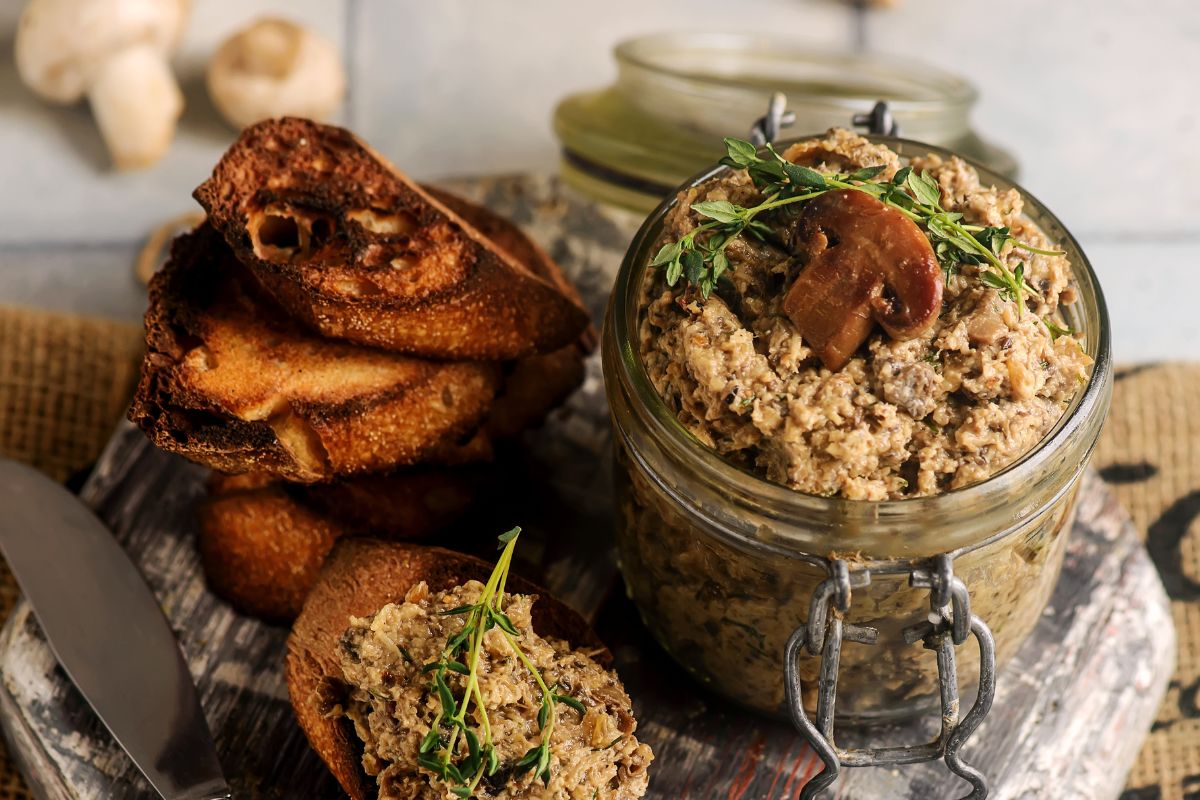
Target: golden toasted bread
(360, 577)
(262, 542)
(535, 385)
(229, 381)
(359, 252)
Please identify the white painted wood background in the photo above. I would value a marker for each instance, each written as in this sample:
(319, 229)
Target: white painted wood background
(1099, 100)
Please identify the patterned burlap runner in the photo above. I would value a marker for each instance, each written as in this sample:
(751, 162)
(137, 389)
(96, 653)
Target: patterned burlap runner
(65, 381)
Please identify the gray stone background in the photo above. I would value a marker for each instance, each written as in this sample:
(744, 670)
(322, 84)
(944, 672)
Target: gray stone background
(1097, 98)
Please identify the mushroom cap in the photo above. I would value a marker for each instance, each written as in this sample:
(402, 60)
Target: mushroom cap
(276, 68)
(865, 263)
(62, 43)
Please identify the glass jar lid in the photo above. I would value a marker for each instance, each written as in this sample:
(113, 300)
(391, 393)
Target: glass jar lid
(677, 95)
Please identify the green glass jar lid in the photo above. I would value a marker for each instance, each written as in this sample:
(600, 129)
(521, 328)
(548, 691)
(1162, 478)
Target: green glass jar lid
(677, 95)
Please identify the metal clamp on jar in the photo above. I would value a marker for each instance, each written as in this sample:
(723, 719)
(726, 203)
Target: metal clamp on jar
(950, 621)
(869, 603)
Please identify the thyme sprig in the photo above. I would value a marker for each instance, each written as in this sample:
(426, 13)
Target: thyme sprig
(457, 753)
(1057, 330)
(700, 255)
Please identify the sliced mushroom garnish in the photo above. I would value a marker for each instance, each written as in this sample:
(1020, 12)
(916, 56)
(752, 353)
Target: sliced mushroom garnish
(865, 263)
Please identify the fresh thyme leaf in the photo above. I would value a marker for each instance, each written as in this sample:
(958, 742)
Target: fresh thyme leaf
(472, 744)
(492, 758)
(452, 612)
(866, 173)
(528, 760)
(804, 177)
(740, 153)
(693, 266)
(455, 666)
(508, 536)
(720, 263)
(720, 210)
(924, 189)
(431, 764)
(993, 239)
(572, 702)
(609, 745)
(674, 271)
(544, 712)
(505, 623)
(445, 696)
(459, 639)
(996, 281)
(430, 741)
(1057, 330)
(668, 253)
(901, 176)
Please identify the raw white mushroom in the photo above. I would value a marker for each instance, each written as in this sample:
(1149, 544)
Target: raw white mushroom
(276, 68)
(116, 52)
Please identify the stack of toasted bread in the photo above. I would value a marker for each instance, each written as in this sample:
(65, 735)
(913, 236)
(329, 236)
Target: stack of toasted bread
(345, 344)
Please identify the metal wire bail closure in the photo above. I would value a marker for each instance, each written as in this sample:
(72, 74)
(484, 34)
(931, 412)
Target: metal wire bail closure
(823, 634)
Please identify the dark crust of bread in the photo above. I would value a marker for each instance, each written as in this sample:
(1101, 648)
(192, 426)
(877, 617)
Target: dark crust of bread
(514, 241)
(262, 542)
(466, 298)
(360, 577)
(202, 290)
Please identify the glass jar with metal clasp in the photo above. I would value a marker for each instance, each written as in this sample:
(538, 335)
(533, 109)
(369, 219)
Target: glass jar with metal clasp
(795, 604)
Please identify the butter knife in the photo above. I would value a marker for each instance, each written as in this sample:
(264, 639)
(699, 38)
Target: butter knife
(108, 633)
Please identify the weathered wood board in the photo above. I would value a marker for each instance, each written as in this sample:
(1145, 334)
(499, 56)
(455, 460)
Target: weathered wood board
(1070, 710)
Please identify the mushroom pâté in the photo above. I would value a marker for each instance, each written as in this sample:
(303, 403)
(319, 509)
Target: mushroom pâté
(864, 263)
(114, 52)
(276, 68)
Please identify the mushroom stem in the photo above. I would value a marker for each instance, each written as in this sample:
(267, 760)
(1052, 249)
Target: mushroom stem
(136, 102)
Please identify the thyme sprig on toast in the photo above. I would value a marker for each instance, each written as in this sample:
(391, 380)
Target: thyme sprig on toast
(701, 259)
(453, 750)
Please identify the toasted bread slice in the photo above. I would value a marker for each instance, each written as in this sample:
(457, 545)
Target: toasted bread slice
(230, 382)
(262, 542)
(360, 577)
(513, 241)
(358, 251)
(535, 385)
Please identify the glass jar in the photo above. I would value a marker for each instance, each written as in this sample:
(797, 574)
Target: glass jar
(677, 95)
(723, 564)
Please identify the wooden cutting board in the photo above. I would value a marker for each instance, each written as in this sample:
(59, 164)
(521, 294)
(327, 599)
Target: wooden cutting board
(1070, 710)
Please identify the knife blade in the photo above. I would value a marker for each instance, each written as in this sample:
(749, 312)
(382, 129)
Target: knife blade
(108, 632)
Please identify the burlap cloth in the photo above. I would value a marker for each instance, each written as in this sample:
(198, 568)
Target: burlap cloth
(65, 381)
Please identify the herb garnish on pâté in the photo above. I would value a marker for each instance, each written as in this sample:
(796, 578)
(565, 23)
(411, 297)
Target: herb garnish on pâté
(702, 260)
(453, 750)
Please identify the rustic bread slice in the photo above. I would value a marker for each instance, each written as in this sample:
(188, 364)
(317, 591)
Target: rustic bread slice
(535, 385)
(358, 251)
(360, 577)
(262, 542)
(230, 382)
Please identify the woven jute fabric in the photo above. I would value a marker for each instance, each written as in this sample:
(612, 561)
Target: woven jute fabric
(65, 382)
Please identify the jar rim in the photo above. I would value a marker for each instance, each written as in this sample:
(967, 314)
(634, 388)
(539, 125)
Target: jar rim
(651, 53)
(1087, 407)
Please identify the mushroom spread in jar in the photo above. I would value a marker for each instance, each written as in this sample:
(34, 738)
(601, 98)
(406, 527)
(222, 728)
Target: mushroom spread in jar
(848, 327)
(853, 354)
